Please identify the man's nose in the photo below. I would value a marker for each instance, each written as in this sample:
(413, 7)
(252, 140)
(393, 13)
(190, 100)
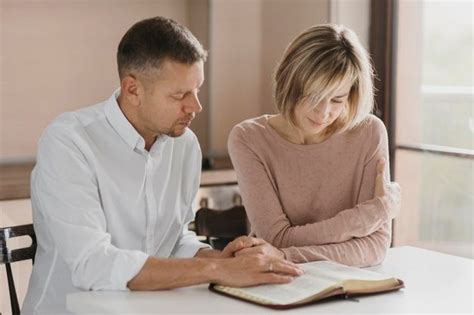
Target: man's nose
(193, 105)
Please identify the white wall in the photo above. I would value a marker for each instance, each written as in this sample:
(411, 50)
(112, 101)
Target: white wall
(235, 67)
(60, 55)
(248, 38)
(282, 21)
(354, 14)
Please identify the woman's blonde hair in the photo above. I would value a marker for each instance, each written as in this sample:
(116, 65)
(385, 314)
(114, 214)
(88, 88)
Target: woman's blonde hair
(316, 64)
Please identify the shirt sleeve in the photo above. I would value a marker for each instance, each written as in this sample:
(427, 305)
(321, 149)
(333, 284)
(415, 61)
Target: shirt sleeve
(268, 218)
(188, 244)
(66, 196)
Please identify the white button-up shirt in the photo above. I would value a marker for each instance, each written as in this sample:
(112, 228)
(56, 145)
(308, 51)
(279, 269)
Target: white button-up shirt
(102, 204)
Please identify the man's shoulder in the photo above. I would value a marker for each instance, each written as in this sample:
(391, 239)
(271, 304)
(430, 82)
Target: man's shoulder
(188, 136)
(70, 126)
(188, 139)
(72, 123)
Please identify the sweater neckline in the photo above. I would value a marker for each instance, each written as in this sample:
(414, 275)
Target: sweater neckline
(288, 143)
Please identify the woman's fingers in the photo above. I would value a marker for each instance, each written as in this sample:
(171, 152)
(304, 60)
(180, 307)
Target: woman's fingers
(393, 199)
(389, 192)
(379, 179)
(380, 166)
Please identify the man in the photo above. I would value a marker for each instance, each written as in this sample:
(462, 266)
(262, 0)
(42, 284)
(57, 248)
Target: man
(113, 185)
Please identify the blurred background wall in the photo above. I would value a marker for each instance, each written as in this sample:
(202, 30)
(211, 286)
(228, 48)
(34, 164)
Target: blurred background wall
(59, 56)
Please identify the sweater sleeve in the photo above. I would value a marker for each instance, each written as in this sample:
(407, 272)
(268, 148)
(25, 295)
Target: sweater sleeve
(268, 218)
(357, 252)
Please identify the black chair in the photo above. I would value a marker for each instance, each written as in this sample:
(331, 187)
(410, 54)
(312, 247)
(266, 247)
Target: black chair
(221, 226)
(8, 256)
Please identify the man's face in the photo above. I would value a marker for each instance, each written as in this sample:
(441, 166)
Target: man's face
(170, 101)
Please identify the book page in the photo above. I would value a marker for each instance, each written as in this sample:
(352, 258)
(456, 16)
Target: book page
(299, 289)
(336, 272)
(320, 278)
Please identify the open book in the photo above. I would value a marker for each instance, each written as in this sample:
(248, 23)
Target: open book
(322, 279)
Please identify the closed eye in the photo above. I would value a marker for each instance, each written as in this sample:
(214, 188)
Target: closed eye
(337, 101)
(178, 96)
(181, 96)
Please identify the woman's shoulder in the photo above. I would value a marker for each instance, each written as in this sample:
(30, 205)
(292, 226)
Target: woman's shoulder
(250, 133)
(251, 127)
(371, 127)
(369, 134)
(255, 123)
(375, 122)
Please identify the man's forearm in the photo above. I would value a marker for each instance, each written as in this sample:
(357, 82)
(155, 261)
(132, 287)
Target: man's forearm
(212, 266)
(158, 274)
(208, 253)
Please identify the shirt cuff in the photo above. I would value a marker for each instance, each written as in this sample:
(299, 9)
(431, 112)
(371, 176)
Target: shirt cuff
(126, 266)
(190, 249)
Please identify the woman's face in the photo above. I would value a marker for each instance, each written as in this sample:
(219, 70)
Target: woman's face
(312, 119)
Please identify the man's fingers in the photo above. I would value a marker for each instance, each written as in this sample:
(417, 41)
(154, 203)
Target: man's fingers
(285, 268)
(273, 278)
(273, 265)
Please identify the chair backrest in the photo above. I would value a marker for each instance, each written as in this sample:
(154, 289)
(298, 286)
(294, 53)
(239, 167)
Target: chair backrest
(8, 256)
(224, 225)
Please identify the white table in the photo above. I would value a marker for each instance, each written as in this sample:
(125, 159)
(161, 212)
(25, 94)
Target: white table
(435, 283)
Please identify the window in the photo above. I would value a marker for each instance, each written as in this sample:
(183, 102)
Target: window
(434, 125)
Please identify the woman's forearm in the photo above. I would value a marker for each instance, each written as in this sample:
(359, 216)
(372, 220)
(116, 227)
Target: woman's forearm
(360, 221)
(358, 252)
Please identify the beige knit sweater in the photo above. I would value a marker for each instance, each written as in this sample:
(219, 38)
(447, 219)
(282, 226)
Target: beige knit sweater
(315, 202)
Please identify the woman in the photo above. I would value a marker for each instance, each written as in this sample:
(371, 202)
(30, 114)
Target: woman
(308, 174)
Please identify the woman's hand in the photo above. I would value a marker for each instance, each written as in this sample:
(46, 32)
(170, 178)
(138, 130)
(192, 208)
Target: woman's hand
(388, 192)
(246, 245)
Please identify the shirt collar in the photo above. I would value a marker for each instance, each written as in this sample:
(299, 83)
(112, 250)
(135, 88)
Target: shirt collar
(121, 124)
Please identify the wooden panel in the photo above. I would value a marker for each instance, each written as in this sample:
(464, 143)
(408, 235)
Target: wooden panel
(15, 180)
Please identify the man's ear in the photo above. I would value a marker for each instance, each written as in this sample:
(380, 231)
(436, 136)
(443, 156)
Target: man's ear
(131, 89)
